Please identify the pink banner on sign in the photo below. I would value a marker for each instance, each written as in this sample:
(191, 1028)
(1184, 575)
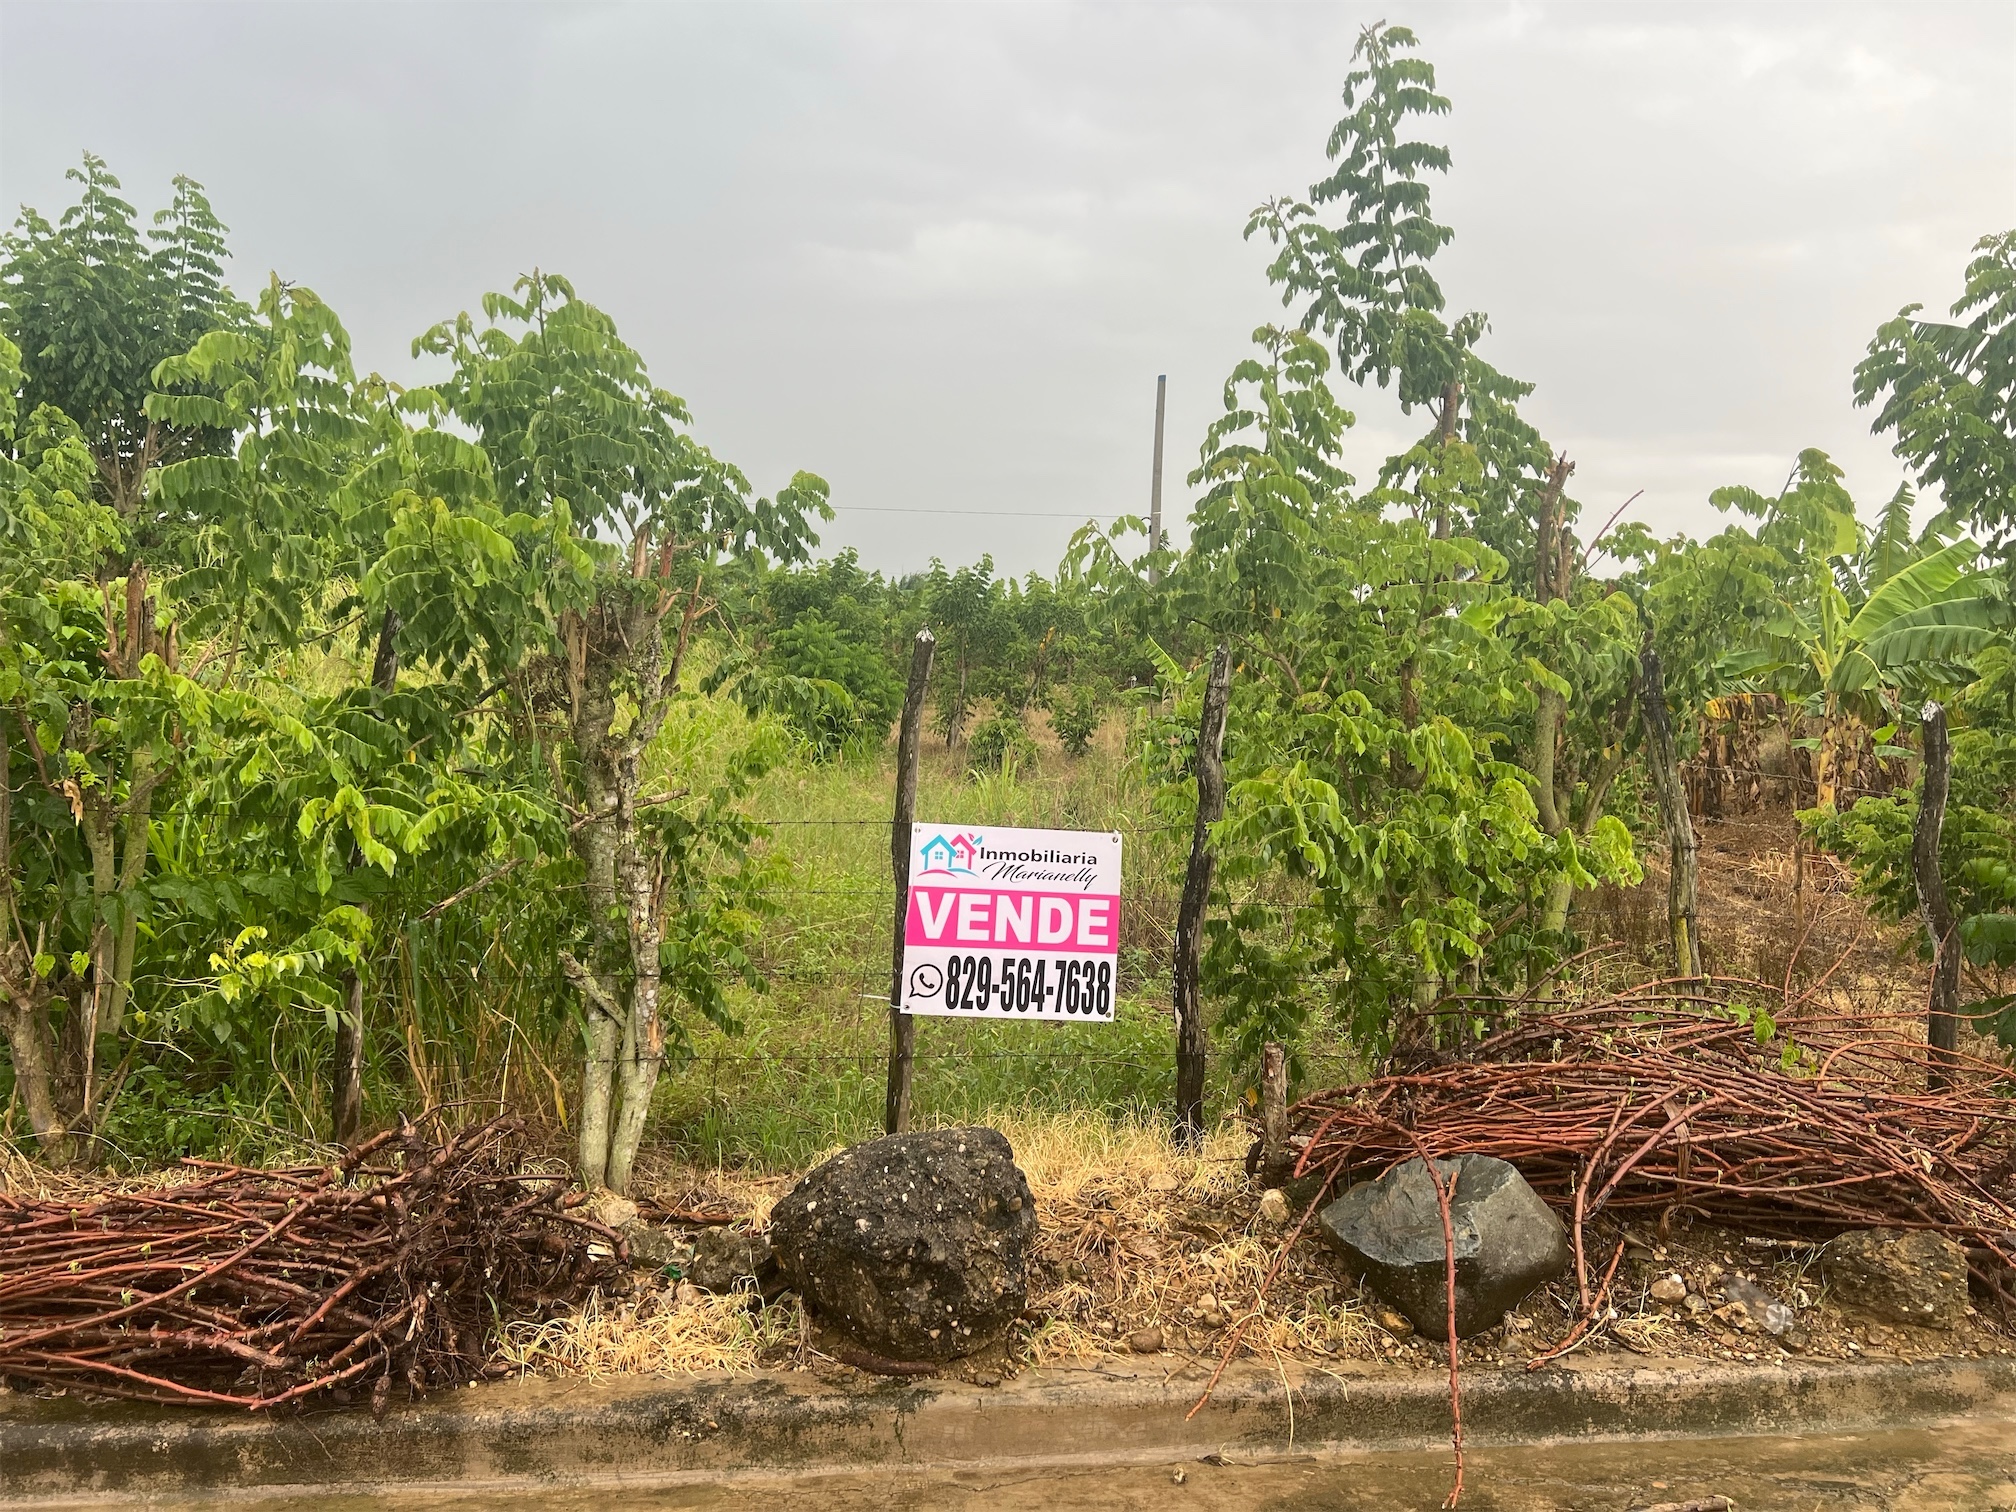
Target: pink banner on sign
(975, 916)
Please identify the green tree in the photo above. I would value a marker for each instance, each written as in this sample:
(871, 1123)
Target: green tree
(93, 309)
(1364, 747)
(1946, 390)
(1481, 470)
(965, 610)
(578, 434)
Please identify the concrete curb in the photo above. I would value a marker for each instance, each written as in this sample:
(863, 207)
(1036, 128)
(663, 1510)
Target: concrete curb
(709, 1429)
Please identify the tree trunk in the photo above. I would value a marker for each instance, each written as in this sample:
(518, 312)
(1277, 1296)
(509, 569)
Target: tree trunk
(77, 1073)
(596, 844)
(1942, 1014)
(1445, 436)
(1827, 760)
(346, 1079)
(133, 852)
(1550, 585)
(1191, 1039)
(26, 995)
(620, 645)
(1682, 892)
(1276, 1164)
(603, 1032)
(902, 1027)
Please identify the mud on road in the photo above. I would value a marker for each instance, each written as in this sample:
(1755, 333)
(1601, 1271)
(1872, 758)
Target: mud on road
(1968, 1466)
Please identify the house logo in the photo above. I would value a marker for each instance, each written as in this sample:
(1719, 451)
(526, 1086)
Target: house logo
(950, 858)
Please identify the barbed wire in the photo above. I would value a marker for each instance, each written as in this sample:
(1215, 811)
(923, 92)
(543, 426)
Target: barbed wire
(877, 1055)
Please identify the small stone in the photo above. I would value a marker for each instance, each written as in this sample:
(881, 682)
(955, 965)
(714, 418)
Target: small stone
(1697, 1304)
(611, 1211)
(1735, 1315)
(1163, 1181)
(1669, 1289)
(1145, 1341)
(1179, 1476)
(1913, 1277)
(1761, 1309)
(1274, 1207)
(1394, 1322)
(686, 1294)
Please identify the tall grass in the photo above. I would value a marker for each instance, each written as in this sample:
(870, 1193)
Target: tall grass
(807, 1070)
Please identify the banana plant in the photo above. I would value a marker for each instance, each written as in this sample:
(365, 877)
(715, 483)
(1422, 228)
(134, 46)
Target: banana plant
(1860, 621)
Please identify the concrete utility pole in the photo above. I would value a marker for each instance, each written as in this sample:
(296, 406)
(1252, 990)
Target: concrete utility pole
(1155, 485)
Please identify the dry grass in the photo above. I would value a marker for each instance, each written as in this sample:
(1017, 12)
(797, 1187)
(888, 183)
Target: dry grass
(1135, 1234)
(702, 1334)
(22, 1177)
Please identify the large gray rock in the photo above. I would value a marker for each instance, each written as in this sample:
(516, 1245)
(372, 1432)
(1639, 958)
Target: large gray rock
(1898, 1275)
(1507, 1241)
(917, 1245)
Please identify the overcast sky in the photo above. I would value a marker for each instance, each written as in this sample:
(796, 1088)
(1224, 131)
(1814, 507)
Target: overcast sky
(938, 253)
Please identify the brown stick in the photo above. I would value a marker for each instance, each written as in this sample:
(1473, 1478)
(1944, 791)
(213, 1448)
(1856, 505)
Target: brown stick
(875, 1364)
(1192, 1042)
(1442, 1196)
(902, 1027)
(1942, 1011)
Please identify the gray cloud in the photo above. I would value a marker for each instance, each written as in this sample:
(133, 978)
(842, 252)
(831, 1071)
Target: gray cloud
(939, 253)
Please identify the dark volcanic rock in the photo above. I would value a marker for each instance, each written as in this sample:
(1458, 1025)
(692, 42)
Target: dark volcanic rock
(918, 1245)
(1507, 1241)
(651, 1247)
(1899, 1276)
(723, 1257)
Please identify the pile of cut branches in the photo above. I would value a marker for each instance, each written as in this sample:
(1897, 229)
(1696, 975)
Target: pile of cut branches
(251, 1288)
(1687, 1098)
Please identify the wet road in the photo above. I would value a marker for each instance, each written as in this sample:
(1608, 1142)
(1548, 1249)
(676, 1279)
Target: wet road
(1965, 1467)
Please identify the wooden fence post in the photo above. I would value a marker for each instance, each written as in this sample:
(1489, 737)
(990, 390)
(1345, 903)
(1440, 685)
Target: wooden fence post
(1191, 1041)
(902, 1027)
(1942, 1014)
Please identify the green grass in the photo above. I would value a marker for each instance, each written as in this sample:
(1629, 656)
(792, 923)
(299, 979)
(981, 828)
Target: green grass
(807, 1071)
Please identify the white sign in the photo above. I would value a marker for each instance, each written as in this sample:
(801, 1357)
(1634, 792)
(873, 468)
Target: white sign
(1012, 923)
